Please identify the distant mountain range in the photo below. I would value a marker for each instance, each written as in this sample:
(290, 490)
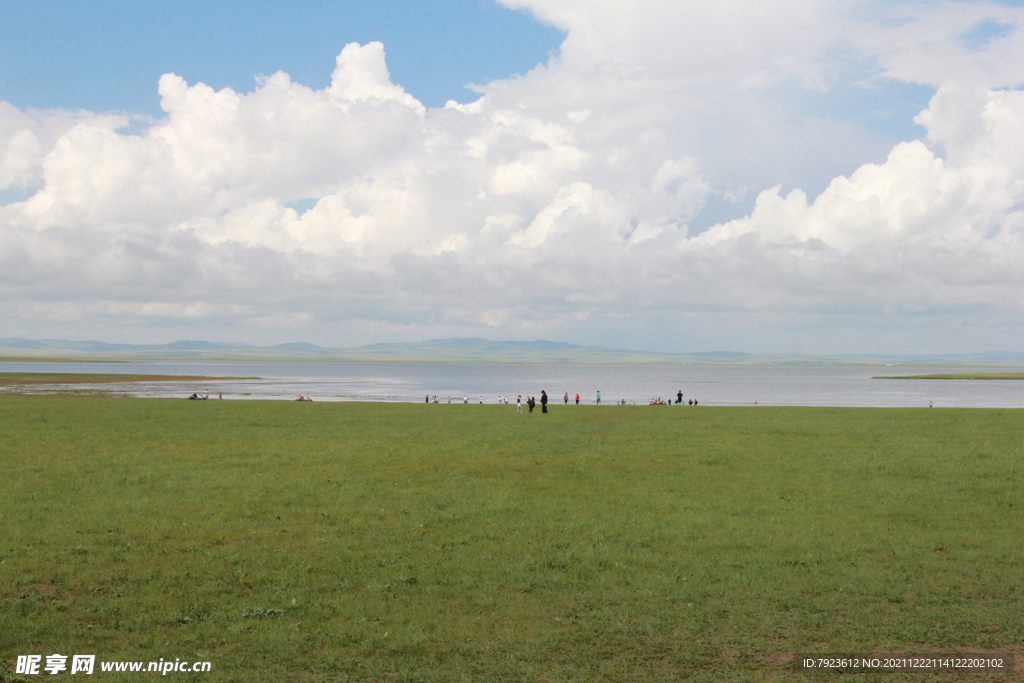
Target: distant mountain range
(462, 349)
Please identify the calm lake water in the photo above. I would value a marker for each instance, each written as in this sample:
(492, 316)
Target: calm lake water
(410, 382)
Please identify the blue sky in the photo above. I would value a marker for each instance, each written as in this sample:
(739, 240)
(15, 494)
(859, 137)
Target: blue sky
(108, 55)
(103, 54)
(808, 175)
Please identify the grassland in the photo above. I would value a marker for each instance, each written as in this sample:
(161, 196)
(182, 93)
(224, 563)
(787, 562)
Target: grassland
(964, 375)
(287, 541)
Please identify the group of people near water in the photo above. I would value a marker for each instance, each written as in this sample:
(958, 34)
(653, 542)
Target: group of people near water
(531, 401)
(659, 402)
(679, 400)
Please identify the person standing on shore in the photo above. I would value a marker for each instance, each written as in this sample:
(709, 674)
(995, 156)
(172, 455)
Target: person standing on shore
(519, 404)
(543, 401)
(566, 397)
(598, 397)
(577, 399)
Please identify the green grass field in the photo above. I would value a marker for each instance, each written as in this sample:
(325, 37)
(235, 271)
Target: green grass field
(286, 541)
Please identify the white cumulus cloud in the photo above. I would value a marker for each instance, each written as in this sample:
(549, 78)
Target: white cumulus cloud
(563, 202)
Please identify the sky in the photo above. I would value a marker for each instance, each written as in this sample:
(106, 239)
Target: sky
(798, 176)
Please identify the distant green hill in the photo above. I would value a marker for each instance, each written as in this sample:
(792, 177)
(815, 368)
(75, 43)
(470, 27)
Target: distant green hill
(461, 349)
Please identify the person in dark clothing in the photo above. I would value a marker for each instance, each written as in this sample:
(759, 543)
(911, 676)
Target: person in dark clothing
(543, 401)
(679, 398)
(531, 403)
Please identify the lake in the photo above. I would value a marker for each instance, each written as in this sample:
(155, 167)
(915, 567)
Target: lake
(787, 385)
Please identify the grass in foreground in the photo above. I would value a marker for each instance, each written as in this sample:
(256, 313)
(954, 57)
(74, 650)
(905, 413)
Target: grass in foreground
(964, 375)
(286, 541)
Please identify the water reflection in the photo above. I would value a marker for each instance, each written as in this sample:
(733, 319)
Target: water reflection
(485, 382)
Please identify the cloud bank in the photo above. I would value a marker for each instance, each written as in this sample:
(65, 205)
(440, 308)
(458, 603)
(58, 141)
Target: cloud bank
(564, 203)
